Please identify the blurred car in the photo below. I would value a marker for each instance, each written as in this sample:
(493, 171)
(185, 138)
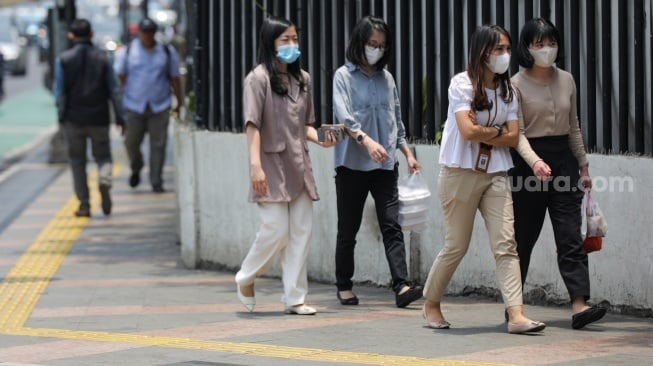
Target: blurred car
(162, 16)
(14, 49)
(105, 21)
(28, 19)
(106, 33)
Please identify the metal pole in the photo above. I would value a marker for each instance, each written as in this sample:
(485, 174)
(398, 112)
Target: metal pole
(144, 7)
(64, 15)
(200, 63)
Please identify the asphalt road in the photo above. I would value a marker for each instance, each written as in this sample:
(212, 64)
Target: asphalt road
(17, 85)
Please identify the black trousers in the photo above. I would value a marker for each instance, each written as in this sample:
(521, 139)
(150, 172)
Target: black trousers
(562, 197)
(352, 187)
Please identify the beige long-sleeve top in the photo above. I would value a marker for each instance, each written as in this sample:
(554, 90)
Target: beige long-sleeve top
(548, 110)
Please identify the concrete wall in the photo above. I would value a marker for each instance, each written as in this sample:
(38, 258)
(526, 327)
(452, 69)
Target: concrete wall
(217, 224)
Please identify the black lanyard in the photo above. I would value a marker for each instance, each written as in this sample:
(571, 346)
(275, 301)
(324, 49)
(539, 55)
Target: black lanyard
(496, 110)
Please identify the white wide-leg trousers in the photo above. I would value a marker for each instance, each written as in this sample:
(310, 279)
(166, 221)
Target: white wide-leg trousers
(285, 230)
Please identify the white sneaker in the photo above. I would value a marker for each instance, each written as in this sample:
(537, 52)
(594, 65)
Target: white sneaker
(300, 310)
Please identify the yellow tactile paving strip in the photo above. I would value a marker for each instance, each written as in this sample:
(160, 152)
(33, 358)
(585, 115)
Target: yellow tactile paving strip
(253, 349)
(21, 289)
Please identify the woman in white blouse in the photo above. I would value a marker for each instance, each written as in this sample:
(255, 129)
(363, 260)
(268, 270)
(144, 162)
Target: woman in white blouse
(474, 157)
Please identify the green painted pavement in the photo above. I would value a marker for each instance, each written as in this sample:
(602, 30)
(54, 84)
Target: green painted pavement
(24, 118)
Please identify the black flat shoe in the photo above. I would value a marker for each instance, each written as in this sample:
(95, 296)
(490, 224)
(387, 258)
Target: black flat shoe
(590, 315)
(106, 198)
(134, 179)
(347, 301)
(415, 292)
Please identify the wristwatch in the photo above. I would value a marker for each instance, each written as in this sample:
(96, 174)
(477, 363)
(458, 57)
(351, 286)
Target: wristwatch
(360, 138)
(498, 129)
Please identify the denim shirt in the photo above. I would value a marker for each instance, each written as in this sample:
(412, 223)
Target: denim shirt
(370, 103)
(148, 75)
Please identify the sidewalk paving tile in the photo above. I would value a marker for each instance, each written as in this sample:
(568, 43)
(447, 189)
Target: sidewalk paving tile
(121, 296)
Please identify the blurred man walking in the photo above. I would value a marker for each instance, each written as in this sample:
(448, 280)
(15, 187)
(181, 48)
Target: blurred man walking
(84, 83)
(147, 71)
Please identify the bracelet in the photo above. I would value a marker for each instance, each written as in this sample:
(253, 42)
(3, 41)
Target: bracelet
(499, 129)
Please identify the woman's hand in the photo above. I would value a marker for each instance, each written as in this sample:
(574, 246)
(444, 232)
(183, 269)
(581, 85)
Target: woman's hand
(541, 170)
(413, 165)
(376, 151)
(259, 180)
(329, 139)
(585, 177)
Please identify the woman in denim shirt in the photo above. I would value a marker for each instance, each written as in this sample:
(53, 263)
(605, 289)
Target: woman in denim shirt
(366, 101)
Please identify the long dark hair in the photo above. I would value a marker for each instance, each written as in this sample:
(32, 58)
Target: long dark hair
(271, 29)
(536, 30)
(358, 39)
(480, 47)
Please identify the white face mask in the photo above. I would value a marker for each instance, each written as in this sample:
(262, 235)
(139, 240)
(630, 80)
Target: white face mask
(545, 56)
(373, 55)
(499, 64)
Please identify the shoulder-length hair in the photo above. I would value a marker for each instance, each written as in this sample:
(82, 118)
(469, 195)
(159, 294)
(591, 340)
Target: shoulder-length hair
(536, 30)
(271, 29)
(358, 39)
(481, 45)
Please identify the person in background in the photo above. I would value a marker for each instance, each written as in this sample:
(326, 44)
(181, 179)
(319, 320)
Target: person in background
(278, 118)
(550, 150)
(148, 71)
(84, 83)
(366, 101)
(2, 76)
(474, 157)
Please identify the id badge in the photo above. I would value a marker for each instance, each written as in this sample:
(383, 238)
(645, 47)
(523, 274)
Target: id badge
(483, 158)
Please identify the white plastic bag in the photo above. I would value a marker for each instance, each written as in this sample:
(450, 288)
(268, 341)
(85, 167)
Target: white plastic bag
(593, 219)
(414, 197)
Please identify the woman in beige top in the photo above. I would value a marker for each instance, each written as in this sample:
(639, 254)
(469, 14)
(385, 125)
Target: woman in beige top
(551, 169)
(278, 115)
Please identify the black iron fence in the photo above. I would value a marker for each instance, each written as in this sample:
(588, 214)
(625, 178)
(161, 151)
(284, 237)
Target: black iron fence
(607, 47)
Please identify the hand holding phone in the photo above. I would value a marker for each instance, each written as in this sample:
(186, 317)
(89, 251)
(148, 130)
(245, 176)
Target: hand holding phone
(336, 131)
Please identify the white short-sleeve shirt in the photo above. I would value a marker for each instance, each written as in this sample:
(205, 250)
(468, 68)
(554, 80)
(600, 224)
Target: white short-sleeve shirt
(457, 152)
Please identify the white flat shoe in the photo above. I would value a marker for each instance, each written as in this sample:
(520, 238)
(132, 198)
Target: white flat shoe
(249, 302)
(300, 310)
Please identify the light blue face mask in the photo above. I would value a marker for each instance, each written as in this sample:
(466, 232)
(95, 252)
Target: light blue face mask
(288, 53)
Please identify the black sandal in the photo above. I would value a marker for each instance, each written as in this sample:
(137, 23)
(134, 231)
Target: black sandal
(347, 301)
(590, 315)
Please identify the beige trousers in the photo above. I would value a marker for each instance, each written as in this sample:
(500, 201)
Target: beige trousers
(285, 230)
(461, 193)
